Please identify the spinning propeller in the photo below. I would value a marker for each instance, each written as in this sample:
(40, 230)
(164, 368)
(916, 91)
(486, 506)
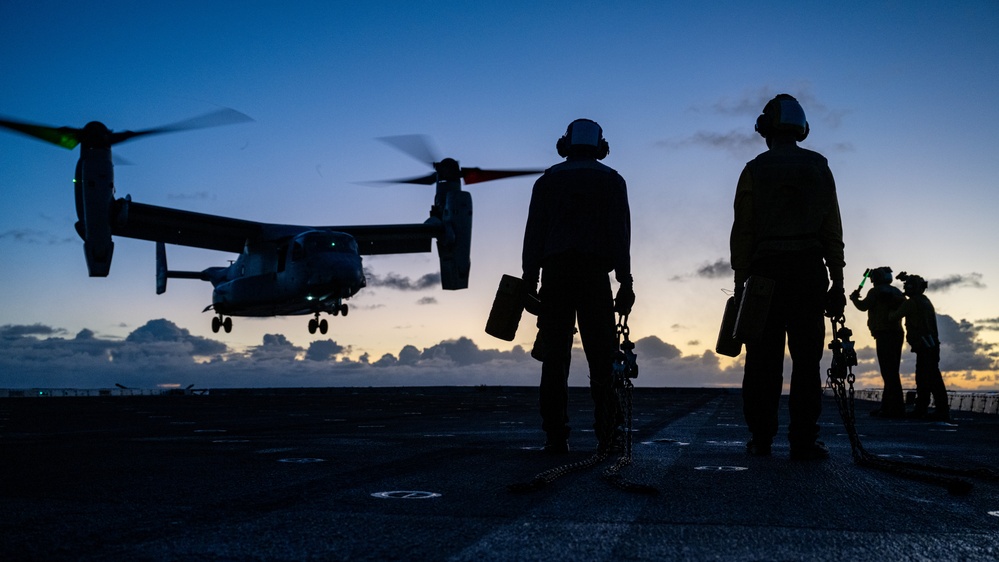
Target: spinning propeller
(94, 180)
(447, 169)
(96, 134)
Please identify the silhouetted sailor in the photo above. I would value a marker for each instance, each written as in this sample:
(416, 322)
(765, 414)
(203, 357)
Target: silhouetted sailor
(881, 300)
(921, 333)
(578, 230)
(787, 229)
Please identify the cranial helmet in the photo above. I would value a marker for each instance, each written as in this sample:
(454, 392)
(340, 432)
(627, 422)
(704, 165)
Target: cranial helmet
(783, 113)
(583, 137)
(881, 275)
(914, 285)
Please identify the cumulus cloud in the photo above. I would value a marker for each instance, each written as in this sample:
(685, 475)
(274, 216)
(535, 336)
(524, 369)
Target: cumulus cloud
(276, 347)
(403, 283)
(409, 355)
(160, 353)
(323, 350)
(963, 358)
(163, 330)
(960, 348)
(656, 348)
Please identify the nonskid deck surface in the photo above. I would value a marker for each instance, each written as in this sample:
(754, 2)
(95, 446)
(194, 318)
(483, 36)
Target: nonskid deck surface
(423, 474)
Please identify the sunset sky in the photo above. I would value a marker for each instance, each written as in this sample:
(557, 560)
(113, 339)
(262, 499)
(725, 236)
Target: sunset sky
(900, 97)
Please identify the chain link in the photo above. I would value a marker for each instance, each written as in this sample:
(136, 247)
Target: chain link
(624, 369)
(840, 379)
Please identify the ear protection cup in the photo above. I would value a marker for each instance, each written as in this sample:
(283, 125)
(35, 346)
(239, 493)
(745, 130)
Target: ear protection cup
(562, 145)
(603, 149)
(802, 136)
(763, 123)
(783, 113)
(599, 150)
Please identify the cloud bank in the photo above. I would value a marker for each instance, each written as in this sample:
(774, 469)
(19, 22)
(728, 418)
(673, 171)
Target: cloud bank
(162, 354)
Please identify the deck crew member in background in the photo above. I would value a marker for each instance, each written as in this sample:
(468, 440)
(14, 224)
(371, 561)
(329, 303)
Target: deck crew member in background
(787, 228)
(921, 333)
(578, 230)
(881, 300)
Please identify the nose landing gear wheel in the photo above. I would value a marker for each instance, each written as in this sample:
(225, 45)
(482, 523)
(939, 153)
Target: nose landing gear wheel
(219, 323)
(316, 324)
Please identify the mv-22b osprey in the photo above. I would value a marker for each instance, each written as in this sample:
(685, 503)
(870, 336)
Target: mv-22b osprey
(281, 269)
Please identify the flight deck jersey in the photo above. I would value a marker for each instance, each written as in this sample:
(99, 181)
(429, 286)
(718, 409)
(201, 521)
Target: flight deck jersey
(786, 205)
(579, 208)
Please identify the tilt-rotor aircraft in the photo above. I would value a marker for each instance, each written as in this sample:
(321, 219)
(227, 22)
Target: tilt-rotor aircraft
(281, 269)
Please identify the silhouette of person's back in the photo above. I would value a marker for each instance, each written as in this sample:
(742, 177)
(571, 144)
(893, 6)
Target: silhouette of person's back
(578, 230)
(787, 229)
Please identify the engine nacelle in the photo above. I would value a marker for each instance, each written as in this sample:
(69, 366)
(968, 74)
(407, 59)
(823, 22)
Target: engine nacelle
(454, 248)
(94, 202)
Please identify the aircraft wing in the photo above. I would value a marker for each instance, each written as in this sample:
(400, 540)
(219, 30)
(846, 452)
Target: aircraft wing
(183, 228)
(393, 238)
(214, 232)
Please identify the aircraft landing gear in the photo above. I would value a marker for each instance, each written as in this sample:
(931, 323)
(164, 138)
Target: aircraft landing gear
(340, 309)
(221, 323)
(316, 324)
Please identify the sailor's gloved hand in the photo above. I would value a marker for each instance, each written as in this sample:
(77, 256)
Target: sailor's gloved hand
(529, 286)
(855, 295)
(529, 282)
(625, 298)
(532, 302)
(835, 301)
(740, 285)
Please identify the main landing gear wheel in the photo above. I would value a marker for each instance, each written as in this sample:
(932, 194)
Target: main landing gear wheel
(342, 309)
(221, 323)
(316, 324)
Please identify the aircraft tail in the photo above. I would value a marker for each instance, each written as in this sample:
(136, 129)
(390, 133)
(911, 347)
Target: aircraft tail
(162, 273)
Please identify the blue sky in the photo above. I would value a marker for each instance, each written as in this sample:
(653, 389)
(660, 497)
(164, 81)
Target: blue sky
(900, 97)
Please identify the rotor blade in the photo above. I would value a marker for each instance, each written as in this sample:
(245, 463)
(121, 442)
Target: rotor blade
(429, 179)
(478, 175)
(218, 118)
(66, 137)
(416, 146)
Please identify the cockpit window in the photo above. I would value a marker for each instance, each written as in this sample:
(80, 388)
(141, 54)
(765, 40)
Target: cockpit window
(313, 243)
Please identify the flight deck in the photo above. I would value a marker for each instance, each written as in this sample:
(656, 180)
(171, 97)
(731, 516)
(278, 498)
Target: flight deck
(425, 473)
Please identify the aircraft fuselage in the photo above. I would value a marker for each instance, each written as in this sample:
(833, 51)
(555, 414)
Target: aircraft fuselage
(310, 273)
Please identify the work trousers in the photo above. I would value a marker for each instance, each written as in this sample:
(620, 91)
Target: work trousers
(575, 289)
(929, 380)
(796, 311)
(889, 349)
